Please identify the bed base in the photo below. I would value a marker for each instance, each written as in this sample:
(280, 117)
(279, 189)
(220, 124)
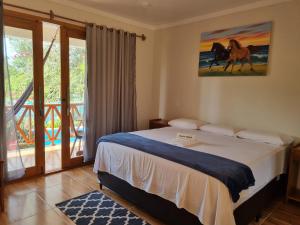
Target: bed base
(168, 213)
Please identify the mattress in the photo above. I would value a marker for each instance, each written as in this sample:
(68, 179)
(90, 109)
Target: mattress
(200, 194)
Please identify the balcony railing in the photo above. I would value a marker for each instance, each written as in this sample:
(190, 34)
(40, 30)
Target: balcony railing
(52, 118)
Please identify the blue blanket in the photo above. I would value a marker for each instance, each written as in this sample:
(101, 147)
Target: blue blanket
(236, 176)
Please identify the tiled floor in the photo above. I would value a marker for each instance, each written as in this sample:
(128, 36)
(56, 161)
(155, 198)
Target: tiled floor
(32, 202)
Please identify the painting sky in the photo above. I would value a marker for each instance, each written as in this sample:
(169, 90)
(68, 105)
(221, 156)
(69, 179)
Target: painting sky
(255, 34)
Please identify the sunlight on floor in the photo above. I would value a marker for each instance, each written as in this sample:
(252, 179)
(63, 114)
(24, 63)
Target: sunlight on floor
(52, 156)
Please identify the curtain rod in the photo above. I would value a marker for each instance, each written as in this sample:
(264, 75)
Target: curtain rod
(52, 15)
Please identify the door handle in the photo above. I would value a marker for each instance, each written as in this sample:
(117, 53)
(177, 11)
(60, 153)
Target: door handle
(41, 111)
(68, 101)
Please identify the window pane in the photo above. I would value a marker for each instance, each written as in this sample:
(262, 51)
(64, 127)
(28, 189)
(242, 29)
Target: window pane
(19, 47)
(77, 57)
(52, 97)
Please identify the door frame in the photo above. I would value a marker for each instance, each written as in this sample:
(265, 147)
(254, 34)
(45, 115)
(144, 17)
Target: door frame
(24, 22)
(65, 34)
(17, 18)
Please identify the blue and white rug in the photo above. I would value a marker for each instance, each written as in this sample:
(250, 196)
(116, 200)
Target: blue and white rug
(95, 208)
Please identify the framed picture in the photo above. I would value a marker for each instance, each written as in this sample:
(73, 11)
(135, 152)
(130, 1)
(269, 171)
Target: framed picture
(238, 51)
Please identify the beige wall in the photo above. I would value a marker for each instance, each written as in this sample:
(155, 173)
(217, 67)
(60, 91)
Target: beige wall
(167, 64)
(269, 103)
(145, 50)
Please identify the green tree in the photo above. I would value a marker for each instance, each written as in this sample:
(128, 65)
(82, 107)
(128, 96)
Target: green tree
(20, 65)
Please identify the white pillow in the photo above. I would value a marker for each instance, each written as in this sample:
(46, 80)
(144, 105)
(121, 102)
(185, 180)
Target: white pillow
(218, 129)
(269, 138)
(184, 123)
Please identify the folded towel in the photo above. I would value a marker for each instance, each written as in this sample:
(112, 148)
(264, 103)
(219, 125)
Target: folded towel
(184, 140)
(183, 143)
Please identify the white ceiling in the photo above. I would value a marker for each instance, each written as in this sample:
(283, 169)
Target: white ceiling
(157, 13)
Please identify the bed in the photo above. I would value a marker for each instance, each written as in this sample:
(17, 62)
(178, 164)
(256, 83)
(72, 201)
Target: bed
(187, 194)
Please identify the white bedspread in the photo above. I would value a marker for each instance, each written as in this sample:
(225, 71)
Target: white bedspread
(200, 194)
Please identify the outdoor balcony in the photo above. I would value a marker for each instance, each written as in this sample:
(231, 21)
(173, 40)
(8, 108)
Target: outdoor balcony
(52, 134)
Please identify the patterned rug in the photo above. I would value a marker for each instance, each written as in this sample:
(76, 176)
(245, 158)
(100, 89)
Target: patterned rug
(95, 208)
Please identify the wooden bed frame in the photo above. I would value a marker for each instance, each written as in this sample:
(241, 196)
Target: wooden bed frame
(168, 213)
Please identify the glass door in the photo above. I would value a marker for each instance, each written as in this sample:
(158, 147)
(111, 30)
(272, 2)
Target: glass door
(24, 58)
(52, 97)
(73, 53)
(47, 90)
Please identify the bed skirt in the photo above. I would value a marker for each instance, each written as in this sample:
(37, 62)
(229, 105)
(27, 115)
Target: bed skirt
(168, 213)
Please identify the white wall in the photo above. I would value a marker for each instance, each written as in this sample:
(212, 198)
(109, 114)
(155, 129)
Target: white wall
(144, 62)
(269, 103)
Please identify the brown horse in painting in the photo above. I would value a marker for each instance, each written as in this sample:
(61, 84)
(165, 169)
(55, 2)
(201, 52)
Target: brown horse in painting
(238, 53)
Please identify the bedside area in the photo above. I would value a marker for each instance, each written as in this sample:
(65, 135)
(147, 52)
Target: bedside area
(158, 123)
(293, 192)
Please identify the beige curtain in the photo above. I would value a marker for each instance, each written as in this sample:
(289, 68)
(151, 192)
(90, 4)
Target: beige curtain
(111, 85)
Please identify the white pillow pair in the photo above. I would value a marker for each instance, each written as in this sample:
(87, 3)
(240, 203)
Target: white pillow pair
(256, 136)
(193, 124)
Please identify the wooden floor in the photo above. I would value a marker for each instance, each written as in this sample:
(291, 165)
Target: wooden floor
(32, 202)
(52, 156)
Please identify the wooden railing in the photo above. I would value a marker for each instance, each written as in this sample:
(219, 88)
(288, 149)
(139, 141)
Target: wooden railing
(52, 116)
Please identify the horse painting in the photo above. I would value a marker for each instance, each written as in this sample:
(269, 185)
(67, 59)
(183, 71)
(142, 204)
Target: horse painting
(239, 53)
(220, 53)
(235, 51)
